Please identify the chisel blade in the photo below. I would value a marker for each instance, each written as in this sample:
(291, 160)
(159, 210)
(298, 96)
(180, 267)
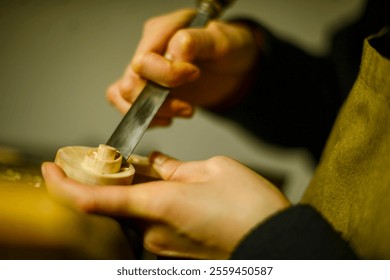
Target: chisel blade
(134, 124)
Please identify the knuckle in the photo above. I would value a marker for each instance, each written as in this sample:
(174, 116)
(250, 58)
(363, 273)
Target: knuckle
(222, 38)
(184, 45)
(216, 160)
(186, 41)
(218, 164)
(137, 65)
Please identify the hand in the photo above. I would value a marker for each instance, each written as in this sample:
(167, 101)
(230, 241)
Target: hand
(203, 66)
(202, 209)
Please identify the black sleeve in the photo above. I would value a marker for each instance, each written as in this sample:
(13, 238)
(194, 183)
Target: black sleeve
(294, 99)
(299, 232)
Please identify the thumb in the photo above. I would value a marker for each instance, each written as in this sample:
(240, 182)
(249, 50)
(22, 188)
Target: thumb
(166, 166)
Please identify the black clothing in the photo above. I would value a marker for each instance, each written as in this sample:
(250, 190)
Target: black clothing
(299, 233)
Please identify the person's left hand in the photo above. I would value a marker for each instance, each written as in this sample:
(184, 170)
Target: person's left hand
(201, 209)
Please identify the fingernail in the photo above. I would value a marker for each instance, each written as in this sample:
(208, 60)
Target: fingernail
(157, 158)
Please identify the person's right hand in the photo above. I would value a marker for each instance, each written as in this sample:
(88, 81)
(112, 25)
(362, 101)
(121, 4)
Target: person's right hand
(203, 66)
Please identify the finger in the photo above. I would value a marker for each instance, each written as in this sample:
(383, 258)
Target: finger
(203, 44)
(117, 201)
(87, 198)
(125, 89)
(152, 47)
(115, 97)
(163, 71)
(63, 188)
(174, 107)
(165, 165)
(155, 38)
(131, 86)
(171, 169)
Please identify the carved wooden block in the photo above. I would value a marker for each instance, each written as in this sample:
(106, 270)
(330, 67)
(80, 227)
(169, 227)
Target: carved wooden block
(104, 166)
(96, 166)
